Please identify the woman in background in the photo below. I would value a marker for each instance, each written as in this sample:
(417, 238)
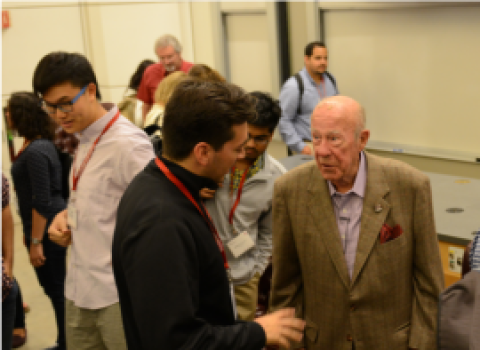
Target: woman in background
(37, 177)
(154, 118)
(130, 107)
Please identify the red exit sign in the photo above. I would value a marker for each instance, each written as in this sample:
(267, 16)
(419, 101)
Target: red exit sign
(5, 19)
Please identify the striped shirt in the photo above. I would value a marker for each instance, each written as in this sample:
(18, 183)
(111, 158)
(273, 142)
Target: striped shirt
(475, 253)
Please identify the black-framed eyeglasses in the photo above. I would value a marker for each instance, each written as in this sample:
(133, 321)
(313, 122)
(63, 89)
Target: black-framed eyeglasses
(65, 107)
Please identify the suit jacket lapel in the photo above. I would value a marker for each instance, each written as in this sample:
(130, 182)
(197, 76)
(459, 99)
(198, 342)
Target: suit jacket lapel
(374, 213)
(321, 209)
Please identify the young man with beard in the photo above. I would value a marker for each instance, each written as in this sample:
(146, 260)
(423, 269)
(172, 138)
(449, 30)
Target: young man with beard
(169, 262)
(301, 93)
(242, 207)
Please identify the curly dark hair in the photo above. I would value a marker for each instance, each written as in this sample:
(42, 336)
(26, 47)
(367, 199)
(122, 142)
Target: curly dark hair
(28, 117)
(268, 111)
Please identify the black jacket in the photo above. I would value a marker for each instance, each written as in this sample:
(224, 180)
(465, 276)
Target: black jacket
(173, 288)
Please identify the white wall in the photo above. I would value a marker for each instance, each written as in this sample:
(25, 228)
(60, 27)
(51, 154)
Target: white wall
(114, 36)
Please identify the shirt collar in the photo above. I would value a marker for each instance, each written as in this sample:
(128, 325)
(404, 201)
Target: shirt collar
(309, 77)
(360, 183)
(94, 129)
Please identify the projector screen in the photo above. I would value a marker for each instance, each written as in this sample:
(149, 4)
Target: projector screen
(415, 70)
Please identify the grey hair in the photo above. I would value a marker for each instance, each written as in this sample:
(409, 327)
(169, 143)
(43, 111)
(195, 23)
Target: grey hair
(168, 40)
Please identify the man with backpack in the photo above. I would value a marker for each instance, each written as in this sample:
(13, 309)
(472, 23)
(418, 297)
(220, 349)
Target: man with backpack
(301, 93)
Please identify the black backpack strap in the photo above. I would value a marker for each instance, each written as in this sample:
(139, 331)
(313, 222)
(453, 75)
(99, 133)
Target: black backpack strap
(332, 79)
(299, 80)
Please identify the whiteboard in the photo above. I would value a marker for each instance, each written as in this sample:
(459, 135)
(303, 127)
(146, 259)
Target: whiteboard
(416, 72)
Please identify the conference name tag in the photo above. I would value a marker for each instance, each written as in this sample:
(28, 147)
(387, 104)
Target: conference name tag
(72, 211)
(240, 244)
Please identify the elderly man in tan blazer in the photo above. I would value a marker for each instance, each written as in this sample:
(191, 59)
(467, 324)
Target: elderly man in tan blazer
(355, 249)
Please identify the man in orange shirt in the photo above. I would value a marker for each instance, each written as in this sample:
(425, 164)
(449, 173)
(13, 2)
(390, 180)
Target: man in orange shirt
(169, 52)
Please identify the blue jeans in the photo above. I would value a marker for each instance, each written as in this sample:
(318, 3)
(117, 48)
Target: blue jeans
(8, 316)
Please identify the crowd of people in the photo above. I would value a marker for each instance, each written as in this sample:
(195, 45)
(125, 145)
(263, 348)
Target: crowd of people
(172, 211)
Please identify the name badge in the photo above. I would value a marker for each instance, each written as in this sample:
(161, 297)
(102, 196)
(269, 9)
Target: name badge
(72, 211)
(240, 244)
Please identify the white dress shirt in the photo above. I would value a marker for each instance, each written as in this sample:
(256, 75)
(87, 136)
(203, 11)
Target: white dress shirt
(122, 152)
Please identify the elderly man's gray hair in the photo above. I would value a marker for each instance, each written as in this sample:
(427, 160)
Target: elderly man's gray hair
(168, 40)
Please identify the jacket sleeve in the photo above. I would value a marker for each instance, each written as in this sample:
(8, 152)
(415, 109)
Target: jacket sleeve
(162, 274)
(289, 96)
(427, 272)
(264, 241)
(39, 175)
(287, 280)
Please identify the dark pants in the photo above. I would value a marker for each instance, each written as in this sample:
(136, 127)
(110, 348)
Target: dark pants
(19, 312)
(8, 317)
(51, 277)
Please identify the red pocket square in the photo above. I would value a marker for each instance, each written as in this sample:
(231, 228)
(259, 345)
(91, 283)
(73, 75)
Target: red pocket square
(388, 234)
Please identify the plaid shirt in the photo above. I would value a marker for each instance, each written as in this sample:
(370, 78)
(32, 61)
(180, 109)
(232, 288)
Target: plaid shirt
(238, 173)
(65, 142)
(475, 253)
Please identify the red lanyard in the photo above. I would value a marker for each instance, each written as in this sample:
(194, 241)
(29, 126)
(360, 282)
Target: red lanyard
(187, 194)
(239, 192)
(76, 175)
(322, 83)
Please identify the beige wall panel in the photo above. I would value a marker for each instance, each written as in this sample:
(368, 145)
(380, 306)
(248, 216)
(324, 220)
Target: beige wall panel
(203, 33)
(127, 33)
(242, 6)
(249, 51)
(115, 94)
(415, 71)
(34, 33)
(297, 34)
(277, 149)
(30, 4)
(117, 2)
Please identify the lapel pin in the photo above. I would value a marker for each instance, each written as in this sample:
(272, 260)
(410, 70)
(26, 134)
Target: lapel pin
(378, 208)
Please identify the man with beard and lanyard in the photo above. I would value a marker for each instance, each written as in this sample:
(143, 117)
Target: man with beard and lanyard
(168, 260)
(242, 208)
(169, 52)
(301, 93)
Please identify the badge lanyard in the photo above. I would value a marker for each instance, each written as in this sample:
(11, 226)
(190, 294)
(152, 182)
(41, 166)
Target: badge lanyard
(239, 193)
(206, 217)
(76, 175)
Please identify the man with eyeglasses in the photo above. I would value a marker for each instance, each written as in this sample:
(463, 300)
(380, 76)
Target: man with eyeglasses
(169, 52)
(242, 207)
(110, 153)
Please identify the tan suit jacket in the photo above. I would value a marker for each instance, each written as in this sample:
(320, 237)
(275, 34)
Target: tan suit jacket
(391, 301)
